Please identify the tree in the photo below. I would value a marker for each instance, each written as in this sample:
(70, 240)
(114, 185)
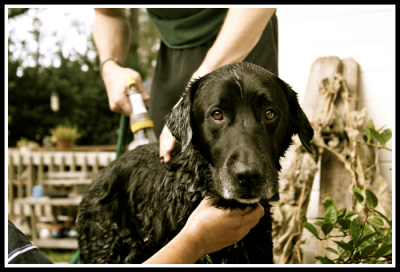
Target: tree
(83, 99)
(13, 12)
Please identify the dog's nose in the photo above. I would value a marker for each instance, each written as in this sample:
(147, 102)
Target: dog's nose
(243, 172)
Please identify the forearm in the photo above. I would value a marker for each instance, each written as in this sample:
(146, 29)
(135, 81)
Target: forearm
(178, 251)
(111, 33)
(239, 34)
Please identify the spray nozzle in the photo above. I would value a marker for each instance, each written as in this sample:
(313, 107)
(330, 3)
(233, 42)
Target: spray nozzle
(130, 81)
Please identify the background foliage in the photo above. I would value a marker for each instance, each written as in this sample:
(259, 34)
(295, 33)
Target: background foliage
(83, 98)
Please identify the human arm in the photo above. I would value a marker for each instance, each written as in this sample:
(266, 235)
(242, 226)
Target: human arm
(239, 34)
(207, 230)
(111, 34)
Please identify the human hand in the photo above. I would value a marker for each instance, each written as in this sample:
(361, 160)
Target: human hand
(114, 77)
(213, 229)
(167, 143)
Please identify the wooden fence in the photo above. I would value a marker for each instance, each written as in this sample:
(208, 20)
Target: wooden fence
(28, 169)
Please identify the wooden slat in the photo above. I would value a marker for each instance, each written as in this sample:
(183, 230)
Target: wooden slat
(29, 184)
(84, 165)
(52, 201)
(57, 243)
(10, 184)
(51, 164)
(40, 171)
(335, 178)
(350, 73)
(322, 68)
(96, 165)
(62, 164)
(66, 181)
(73, 164)
(19, 177)
(34, 233)
(68, 175)
(102, 157)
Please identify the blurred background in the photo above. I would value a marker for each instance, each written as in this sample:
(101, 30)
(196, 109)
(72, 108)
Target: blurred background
(51, 53)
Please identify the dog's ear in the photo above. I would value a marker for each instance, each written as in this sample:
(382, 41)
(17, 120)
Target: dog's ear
(179, 120)
(298, 120)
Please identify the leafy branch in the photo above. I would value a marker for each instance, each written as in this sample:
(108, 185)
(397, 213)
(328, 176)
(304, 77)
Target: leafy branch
(369, 241)
(382, 138)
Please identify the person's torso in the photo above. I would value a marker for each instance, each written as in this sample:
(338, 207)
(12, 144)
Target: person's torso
(187, 27)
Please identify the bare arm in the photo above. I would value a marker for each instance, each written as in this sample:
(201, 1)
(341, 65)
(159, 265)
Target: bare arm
(111, 34)
(208, 230)
(239, 34)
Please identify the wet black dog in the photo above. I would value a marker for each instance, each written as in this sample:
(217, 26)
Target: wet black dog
(233, 126)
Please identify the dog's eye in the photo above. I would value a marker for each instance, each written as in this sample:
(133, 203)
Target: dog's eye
(217, 115)
(269, 114)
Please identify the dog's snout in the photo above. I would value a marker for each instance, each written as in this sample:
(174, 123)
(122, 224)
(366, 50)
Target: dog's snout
(244, 172)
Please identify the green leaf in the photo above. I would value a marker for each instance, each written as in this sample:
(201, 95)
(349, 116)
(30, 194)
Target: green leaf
(345, 223)
(384, 250)
(339, 260)
(376, 228)
(378, 241)
(356, 255)
(367, 230)
(379, 130)
(362, 245)
(303, 218)
(357, 194)
(342, 244)
(355, 230)
(371, 200)
(325, 260)
(385, 136)
(311, 229)
(384, 217)
(375, 220)
(366, 237)
(350, 214)
(330, 215)
(341, 213)
(377, 136)
(327, 228)
(332, 250)
(319, 223)
(351, 245)
(370, 125)
(368, 250)
(328, 202)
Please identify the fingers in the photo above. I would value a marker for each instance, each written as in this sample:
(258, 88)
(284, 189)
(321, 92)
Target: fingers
(253, 217)
(167, 144)
(114, 77)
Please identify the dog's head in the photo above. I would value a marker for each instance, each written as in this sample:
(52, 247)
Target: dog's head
(241, 118)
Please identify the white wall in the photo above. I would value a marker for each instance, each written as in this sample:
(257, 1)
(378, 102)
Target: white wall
(365, 33)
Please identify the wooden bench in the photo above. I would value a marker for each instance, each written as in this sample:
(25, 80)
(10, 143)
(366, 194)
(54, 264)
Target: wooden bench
(66, 243)
(70, 172)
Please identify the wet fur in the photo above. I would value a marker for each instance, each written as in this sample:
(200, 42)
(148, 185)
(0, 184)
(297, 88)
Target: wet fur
(137, 204)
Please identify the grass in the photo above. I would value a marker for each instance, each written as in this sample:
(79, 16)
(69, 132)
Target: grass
(58, 256)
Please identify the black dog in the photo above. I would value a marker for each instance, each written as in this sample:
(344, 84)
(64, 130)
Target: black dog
(233, 126)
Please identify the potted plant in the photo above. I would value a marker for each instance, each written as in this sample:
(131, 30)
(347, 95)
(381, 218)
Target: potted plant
(65, 136)
(25, 145)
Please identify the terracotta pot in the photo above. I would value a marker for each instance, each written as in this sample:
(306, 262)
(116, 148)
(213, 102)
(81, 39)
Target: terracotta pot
(64, 144)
